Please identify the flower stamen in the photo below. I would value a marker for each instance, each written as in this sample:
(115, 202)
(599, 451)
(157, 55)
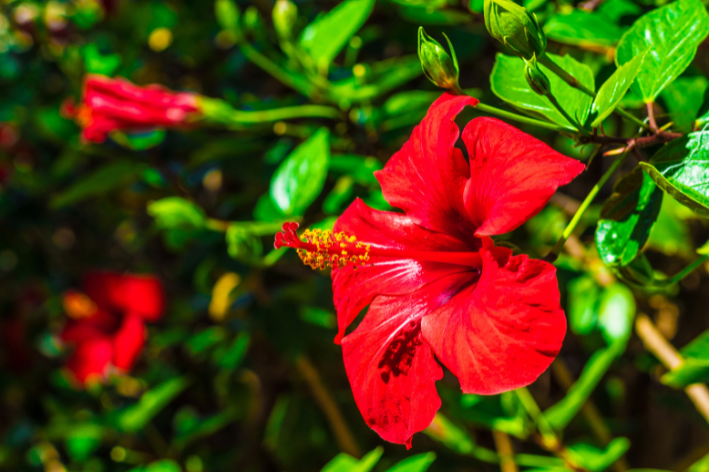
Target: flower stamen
(321, 249)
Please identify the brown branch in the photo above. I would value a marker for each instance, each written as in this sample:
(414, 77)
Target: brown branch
(505, 450)
(343, 435)
(663, 137)
(651, 116)
(670, 358)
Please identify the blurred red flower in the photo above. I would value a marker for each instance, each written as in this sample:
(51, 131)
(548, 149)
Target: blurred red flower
(107, 325)
(432, 277)
(116, 104)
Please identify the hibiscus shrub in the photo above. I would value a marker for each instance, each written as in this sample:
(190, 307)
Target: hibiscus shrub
(500, 223)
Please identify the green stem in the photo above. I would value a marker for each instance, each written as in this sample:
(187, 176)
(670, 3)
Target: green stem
(523, 119)
(537, 416)
(297, 82)
(565, 76)
(632, 118)
(554, 253)
(571, 120)
(687, 270)
(219, 111)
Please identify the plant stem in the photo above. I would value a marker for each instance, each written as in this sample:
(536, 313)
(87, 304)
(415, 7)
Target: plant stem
(554, 253)
(687, 270)
(565, 76)
(505, 451)
(631, 117)
(657, 344)
(651, 116)
(571, 120)
(522, 119)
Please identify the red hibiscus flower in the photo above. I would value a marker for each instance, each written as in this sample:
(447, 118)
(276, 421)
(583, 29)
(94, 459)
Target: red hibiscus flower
(434, 282)
(107, 326)
(116, 104)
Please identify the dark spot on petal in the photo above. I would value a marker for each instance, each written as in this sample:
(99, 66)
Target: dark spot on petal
(400, 353)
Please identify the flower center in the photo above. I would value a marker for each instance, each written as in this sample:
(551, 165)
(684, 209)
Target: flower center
(77, 305)
(321, 249)
(83, 116)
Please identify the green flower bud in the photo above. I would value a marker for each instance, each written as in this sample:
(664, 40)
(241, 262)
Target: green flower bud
(515, 27)
(437, 65)
(536, 79)
(285, 14)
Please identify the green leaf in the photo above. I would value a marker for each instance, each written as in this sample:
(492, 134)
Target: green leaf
(165, 465)
(360, 168)
(206, 427)
(671, 234)
(680, 168)
(672, 34)
(423, 14)
(345, 463)
(508, 82)
(300, 178)
(107, 178)
(97, 63)
(616, 313)
(454, 438)
(582, 28)
(227, 14)
(325, 37)
(583, 299)
(134, 418)
(597, 460)
(627, 218)
(83, 440)
(613, 90)
(417, 463)
(139, 141)
(684, 98)
(176, 212)
(242, 244)
(560, 414)
(695, 365)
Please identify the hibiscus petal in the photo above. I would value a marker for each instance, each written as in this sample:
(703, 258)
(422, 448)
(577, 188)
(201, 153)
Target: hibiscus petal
(427, 176)
(90, 359)
(139, 294)
(354, 289)
(512, 175)
(128, 342)
(391, 369)
(504, 331)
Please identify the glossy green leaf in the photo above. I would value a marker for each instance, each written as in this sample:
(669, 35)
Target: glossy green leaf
(671, 34)
(508, 82)
(417, 463)
(684, 98)
(325, 37)
(300, 178)
(560, 414)
(681, 168)
(582, 28)
(613, 90)
(134, 418)
(106, 179)
(176, 212)
(616, 313)
(583, 298)
(346, 463)
(597, 460)
(627, 218)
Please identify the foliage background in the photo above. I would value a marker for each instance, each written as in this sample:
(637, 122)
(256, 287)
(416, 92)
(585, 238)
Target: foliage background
(241, 373)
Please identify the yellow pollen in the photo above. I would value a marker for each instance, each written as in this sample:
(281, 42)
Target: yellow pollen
(77, 305)
(326, 255)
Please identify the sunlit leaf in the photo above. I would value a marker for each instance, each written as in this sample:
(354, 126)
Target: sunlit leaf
(672, 34)
(616, 313)
(680, 168)
(176, 212)
(597, 460)
(300, 178)
(581, 28)
(508, 82)
(417, 463)
(613, 89)
(325, 37)
(583, 299)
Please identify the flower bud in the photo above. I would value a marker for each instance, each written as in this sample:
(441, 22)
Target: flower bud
(437, 65)
(515, 27)
(285, 14)
(536, 79)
